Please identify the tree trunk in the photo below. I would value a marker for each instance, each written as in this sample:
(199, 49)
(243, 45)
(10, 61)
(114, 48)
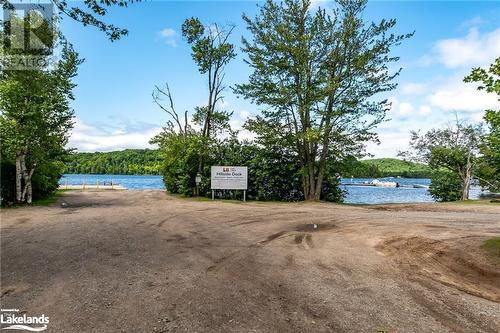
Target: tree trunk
(466, 178)
(311, 190)
(465, 190)
(19, 176)
(305, 182)
(24, 174)
(29, 196)
(311, 194)
(205, 135)
(319, 182)
(27, 190)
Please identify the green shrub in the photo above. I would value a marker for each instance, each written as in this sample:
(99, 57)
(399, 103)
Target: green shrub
(446, 186)
(274, 173)
(332, 191)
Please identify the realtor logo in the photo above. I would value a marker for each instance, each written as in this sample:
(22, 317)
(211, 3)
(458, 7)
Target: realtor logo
(29, 35)
(11, 319)
(26, 26)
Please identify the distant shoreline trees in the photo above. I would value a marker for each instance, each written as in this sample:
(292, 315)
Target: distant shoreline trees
(151, 162)
(383, 167)
(125, 162)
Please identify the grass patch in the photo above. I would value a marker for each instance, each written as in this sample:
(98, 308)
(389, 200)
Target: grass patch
(492, 245)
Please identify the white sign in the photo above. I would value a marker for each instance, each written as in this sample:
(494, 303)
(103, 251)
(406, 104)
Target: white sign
(229, 178)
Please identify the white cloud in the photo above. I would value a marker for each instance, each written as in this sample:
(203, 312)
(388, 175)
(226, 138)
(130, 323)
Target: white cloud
(168, 35)
(424, 110)
(394, 135)
(405, 109)
(246, 135)
(459, 96)
(224, 104)
(431, 103)
(474, 49)
(244, 114)
(89, 138)
(413, 88)
(473, 22)
(400, 110)
(167, 32)
(318, 3)
(392, 142)
(238, 120)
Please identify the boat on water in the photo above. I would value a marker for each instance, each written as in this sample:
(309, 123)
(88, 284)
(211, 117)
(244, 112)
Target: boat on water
(379, 183)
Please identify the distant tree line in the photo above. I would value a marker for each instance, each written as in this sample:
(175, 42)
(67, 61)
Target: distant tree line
(125, 162)
(151, 162)
(383, 167)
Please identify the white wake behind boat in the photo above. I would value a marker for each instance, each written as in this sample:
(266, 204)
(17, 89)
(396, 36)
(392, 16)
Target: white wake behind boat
(379, 183)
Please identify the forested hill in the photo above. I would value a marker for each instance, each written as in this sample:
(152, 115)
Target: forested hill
(385, 167)
(149, 162)
(124, 162)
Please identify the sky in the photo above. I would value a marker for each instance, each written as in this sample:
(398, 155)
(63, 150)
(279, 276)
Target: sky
(114, 109)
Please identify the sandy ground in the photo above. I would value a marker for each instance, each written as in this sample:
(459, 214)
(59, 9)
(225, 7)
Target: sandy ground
(147, 262)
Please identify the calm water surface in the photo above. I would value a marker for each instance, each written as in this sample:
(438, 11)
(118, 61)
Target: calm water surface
(355, 194)
(373, 195)
(128, 181)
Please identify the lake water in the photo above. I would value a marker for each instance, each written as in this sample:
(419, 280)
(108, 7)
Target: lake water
(373, 195)
(356, 194)
(128, 181)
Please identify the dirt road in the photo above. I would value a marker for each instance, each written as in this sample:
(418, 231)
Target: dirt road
(143, 261)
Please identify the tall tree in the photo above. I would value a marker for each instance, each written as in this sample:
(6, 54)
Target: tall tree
(490, 167)
(317, 74)
(211, 51)
(35, 113)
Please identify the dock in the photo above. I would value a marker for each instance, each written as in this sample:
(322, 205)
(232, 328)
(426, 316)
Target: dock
(91, 187)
